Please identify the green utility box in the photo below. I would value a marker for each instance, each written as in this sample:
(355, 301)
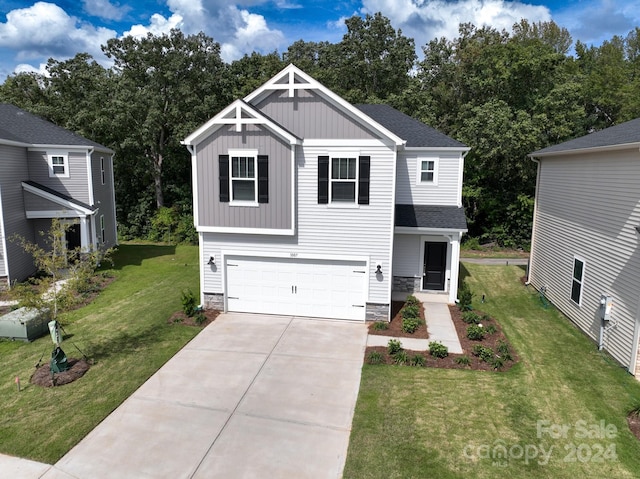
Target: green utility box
(25, 324)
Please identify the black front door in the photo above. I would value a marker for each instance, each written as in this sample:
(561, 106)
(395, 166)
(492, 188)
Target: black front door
(73, 237)
(435, 266)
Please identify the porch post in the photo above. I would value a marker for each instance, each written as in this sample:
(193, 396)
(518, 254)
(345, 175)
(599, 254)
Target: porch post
(455, 267)
(84, 234)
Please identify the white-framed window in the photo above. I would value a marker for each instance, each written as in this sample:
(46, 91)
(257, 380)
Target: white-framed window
(102, 235)
(343, 179)
(102, 173)
(243, 178)
(427, 171)
(58, 164)
(577, 280)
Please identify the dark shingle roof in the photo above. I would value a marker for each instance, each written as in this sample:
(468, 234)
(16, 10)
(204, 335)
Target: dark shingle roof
(431, 216)
(24, 127)
(622, 134)
(59, 195)
(414, 132)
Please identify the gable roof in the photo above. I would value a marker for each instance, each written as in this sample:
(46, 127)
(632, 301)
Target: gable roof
(17, 125)
(431, 216)
(414, 132)
(619, 136)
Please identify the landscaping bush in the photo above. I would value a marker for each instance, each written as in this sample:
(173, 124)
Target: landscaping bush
(412, 301)
(394, 346)
(401, 357)
(375, 357)
(471, 317)
(475, 332)
(418, 360)
(497, 362)
(380, 325)
(503, 350)
(189, 302)
(438, 350)
(465, 297)
(484, 353)
(410, 311)
(409, 325)
(464, 360)
(491, 329)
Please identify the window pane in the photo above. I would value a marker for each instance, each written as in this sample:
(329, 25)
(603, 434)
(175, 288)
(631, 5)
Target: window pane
(577, 269)
(428, 166)
(335, 168)
(576, 287)
(352, 168)
(235, 167)
(58, 170)
(343, 191)
(57, 160)
(242, 167)
(426, 176)
(243, 190)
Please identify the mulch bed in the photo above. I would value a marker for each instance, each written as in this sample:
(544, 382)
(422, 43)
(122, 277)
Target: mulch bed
(395, 326)
(179, 317)
(490, 340)
(633, 420)
(42, 376)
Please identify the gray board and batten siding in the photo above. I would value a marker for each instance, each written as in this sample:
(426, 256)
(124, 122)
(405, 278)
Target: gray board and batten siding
(588, 205)
(276, 214)
(13, 170)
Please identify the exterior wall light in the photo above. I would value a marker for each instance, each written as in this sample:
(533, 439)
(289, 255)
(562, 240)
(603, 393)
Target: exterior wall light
(212, 260)
(379, 269)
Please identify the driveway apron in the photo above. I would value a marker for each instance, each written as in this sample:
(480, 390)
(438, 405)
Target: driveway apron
(252, 396)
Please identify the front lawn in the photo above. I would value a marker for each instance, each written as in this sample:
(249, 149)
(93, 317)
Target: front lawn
(125, 331)
(559, 413)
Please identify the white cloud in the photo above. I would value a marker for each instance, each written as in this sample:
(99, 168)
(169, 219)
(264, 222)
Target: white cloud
(158, 25)
(424, 20)
(105, 9)
(26, 68)
(251, 33)
(44, 29)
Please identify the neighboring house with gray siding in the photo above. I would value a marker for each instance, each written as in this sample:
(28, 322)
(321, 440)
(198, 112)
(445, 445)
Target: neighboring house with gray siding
(308, 205)
(49, 172)
(586, 235)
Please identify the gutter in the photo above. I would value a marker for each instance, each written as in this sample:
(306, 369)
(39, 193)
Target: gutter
(533, 224)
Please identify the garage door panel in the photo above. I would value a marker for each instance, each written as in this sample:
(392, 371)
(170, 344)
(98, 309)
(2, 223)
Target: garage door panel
(316, 288)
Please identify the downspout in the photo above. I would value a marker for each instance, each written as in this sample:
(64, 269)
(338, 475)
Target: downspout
(636, 333)
(533, 224)
(194, 188)
(456, 280)
(90, 175)
(3, 244)
(393, 230)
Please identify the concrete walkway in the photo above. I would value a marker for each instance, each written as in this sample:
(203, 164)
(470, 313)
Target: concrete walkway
(440, 327)
(250, 396)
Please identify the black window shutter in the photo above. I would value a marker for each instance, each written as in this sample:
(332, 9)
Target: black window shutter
(223, 162)
(323, 180)
(363, 180)
(263, 179)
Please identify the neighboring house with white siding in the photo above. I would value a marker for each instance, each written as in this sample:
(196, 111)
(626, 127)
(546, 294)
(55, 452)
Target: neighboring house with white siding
(308, 205)
(586, 235)
(49, 172)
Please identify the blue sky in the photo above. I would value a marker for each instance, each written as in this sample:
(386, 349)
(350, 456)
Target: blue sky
(31, 32)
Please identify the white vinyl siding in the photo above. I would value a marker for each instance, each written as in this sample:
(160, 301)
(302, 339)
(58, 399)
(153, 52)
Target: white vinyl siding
(346, 233)
(590, 204)
(446, 188)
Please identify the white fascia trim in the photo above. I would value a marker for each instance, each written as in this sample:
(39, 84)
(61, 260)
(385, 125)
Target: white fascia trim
(247, 231)
(74, 148)
(582, 151)
(201, 267)
(238, 106)
(294, 178)
(295, 255)
(56, 200)
(426, 231)
(194, 182)
(439, 149)
(315, 143)
(34, 214)
(312, 84)
(14, 143)
(460, 178)
(90, 176)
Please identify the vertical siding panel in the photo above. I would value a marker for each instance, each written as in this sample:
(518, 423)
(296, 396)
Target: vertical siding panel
(589, 206)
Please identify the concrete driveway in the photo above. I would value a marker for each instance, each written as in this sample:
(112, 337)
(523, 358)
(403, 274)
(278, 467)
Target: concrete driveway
(252, 396)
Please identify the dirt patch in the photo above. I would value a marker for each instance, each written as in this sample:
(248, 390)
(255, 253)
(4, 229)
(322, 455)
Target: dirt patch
(42, 376)
(395, 326)
(452, 360)
(633, 420)
(179, 317)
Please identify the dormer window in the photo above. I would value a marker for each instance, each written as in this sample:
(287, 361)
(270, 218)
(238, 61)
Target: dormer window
(427, 171)
(58, 164)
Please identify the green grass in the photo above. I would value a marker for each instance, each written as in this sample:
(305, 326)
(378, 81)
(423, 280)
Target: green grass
(494, 252)
(124, 330)
(415, 423)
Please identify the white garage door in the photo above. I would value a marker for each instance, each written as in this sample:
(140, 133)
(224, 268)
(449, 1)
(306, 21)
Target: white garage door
(315, 288)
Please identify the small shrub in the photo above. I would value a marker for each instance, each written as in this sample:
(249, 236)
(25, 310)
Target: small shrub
(199, 318)
(438, 350)
(464, 360)
(189, 302)
(471, 317)
(409, 325)
(410, 311)
(486, 318)
(380, 325)
(412, 301)
(475, 332)
(497, 362)
(503, 350)
(465, 297)
(401, 357)
(491, 329)
(394, 346)
(485, 354)
(418, 360)
(375, 357)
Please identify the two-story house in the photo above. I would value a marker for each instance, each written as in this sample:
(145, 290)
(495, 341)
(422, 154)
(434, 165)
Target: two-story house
(308, 205)
(49, 172)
